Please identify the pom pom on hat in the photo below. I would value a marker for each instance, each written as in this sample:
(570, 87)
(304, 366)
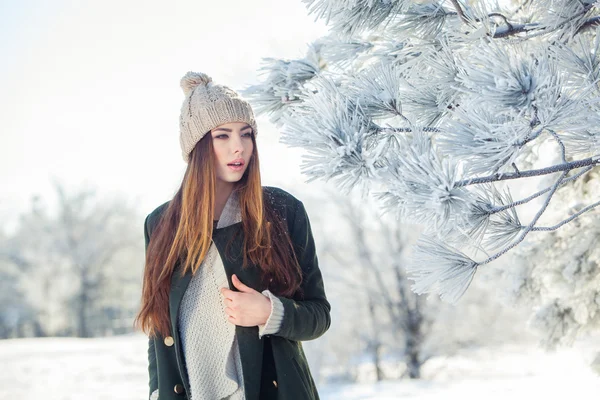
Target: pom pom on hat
(192, 79)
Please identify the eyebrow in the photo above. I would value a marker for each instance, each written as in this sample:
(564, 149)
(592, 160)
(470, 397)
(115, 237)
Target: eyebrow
(229, 130)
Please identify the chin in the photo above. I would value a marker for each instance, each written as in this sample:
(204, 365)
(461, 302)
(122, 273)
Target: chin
(231, 179)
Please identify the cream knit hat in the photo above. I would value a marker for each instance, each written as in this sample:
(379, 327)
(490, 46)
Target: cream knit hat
(207, 106)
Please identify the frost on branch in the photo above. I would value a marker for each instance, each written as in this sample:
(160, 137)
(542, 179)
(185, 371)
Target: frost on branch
(283, 84)
(439, 268)
(338, 139)
(485, 141)
(421, 186)
(468, 117)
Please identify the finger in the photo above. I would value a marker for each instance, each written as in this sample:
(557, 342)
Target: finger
(239, 285)
(228, 293)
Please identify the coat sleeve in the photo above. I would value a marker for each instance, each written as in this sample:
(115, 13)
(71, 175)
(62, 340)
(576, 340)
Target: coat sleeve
(152, 373)
(307, 318)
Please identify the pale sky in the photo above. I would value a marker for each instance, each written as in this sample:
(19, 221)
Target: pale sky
(90, 89)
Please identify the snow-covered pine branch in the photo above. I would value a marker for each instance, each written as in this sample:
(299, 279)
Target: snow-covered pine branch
(466, 117)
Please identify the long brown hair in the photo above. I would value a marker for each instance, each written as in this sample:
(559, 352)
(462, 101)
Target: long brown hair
(184, 233)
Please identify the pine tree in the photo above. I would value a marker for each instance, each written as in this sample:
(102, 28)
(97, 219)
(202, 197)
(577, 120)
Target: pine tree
(445, 110)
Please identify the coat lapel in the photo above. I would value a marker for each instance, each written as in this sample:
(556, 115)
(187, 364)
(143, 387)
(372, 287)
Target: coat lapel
(230, 251)
(251, 347)
(178, 286)
(230, 216)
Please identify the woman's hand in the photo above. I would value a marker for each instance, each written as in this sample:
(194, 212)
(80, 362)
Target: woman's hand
(246, 307)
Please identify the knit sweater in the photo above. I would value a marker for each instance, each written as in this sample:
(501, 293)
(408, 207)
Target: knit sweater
(208, 339)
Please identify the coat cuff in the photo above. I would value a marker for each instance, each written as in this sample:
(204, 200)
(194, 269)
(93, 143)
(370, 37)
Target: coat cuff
(275, 318)
(154, 395)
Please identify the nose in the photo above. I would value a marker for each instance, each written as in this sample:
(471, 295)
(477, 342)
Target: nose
(236, 144)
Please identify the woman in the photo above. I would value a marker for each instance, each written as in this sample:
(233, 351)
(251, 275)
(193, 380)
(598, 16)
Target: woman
(232, 283)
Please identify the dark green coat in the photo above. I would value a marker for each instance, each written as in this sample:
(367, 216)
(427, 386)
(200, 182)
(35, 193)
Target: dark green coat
(274, 367)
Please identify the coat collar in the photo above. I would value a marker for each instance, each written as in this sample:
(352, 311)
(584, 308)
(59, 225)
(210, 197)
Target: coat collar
(231, 213)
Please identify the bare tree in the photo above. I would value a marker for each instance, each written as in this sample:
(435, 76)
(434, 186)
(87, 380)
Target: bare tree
(71, 260)
(15, 310)
(374, 255)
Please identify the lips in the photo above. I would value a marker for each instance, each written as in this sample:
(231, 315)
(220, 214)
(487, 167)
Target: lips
(236, 165)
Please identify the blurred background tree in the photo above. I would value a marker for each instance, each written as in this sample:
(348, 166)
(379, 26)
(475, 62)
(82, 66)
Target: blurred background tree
(72, 269)
(383, 330)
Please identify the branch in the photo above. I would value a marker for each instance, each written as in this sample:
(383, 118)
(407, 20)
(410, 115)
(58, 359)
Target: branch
(407, 130)
(531, 224)
(589, 23)
(510, 26)
(591, 161)
(571, 218)
(563, 153)
(515, 29)
(538, 194)
(459, 11)
(563, 150)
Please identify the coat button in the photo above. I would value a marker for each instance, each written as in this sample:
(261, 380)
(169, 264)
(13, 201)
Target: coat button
(169, 341)
(179, 389)
(275, 383)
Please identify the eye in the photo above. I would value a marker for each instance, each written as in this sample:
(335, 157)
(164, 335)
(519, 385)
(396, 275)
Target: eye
(247, 134)
(221, 136)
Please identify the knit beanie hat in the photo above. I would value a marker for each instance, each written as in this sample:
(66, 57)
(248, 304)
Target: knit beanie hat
(206, 106)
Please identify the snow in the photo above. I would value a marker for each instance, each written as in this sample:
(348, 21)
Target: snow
(115, 368)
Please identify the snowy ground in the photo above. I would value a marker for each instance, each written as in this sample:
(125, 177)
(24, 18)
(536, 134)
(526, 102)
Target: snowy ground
(115, 368)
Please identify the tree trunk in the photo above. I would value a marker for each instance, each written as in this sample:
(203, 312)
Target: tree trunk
(414, 365)
(377, 355)
(376, 343)
(82, 307)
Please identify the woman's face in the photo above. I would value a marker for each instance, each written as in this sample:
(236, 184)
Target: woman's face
(233, 147)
